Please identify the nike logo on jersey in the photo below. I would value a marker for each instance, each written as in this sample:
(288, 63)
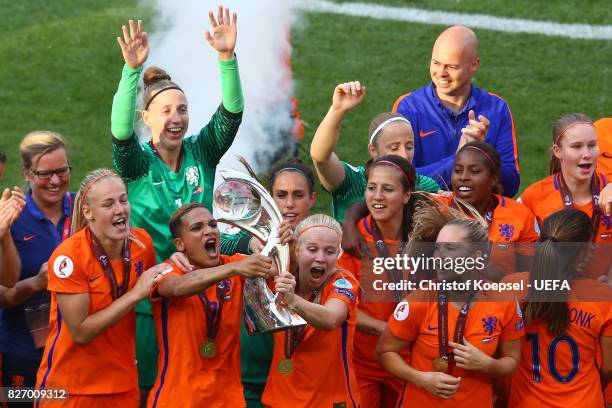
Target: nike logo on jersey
(607, 155)
(28, 237)
(432, 328)
(423, 134)
(94, 279)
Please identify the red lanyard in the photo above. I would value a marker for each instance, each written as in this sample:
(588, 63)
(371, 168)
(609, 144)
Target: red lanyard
(566, 197)
(99, 253)
(214, 322)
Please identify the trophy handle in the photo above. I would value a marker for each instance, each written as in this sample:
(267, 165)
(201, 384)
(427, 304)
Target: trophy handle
(263, 313)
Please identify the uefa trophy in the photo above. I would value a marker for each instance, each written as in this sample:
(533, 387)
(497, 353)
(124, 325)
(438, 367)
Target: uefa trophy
(243, 202)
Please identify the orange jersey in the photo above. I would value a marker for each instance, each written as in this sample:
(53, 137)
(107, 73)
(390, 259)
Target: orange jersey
(603, 128)
(543, 198)
(561, 371)
(365, 344)
(107, 364)
(512, 228)
(323, 372)
(184, 377)
(488, 323)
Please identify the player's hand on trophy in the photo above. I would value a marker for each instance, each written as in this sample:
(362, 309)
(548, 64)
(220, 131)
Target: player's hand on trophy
(285, 285)
(255, 266)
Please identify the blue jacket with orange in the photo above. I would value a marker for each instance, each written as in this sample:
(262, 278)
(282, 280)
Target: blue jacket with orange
(437, 131)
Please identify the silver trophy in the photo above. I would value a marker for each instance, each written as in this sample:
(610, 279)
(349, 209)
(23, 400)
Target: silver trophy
(243, 202)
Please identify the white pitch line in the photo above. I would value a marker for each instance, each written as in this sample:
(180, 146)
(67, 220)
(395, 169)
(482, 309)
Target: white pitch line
(510, 25)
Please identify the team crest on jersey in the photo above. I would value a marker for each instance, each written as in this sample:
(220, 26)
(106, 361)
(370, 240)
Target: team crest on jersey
(343, 283)
(63, 266)
(401, 311)
(489, 324)
(192, 175)
(506, 231)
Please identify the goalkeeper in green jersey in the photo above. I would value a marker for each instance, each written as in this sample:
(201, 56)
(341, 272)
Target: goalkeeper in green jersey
(170, 170)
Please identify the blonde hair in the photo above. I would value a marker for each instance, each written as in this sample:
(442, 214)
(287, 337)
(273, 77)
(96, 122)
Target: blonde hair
(81, 199)
(39, 143)
(317, 220)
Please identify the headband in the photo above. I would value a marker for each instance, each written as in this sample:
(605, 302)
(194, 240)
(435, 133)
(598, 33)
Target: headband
(385, 123)
(404, 175)
(292, 169)
(316, 226)
(568, 127)
(160, 91)
(489, 158)
(94, 182)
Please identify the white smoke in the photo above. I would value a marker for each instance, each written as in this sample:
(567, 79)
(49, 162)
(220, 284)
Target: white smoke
(178, 45)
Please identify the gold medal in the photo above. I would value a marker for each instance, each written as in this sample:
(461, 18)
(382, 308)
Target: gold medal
(440, 364)
(285, 366)
(208, 349)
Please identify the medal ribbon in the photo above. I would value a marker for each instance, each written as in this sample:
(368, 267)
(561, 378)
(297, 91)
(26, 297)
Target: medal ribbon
(294, 335)
(66, 231)
(394, 275)
(100, 254)
(213, 323)
(443, 323)
(568, 202)
(488, 216)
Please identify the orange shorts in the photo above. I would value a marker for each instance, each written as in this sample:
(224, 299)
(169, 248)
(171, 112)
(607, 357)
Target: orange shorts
(379, 392)
(129, 399)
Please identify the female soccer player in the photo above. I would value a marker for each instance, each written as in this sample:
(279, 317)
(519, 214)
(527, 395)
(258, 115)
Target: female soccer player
(292, 188)
(558, 365)
(312, 366)
(390, 182)
(44, 223)
(96, 277)
(198, 315)
(389, 134)
(476, 180)
(453, 371)
(573, 181)
(170, 170)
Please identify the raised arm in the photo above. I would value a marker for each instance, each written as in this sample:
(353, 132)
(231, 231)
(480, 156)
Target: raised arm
(85, 327)
(129, 159)
(11, 205)
(329, 169)
(216, 137)
(135, 49)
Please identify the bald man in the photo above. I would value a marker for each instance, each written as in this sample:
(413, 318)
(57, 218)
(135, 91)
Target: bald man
(450, 112)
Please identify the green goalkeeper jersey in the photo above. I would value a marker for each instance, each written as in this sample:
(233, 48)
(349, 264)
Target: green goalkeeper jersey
(156, 192)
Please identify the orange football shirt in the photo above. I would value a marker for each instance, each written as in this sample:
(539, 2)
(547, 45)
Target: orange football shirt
(562, 371)
(488, 323)
(323, 373)
(184, 377)
(107, 364)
